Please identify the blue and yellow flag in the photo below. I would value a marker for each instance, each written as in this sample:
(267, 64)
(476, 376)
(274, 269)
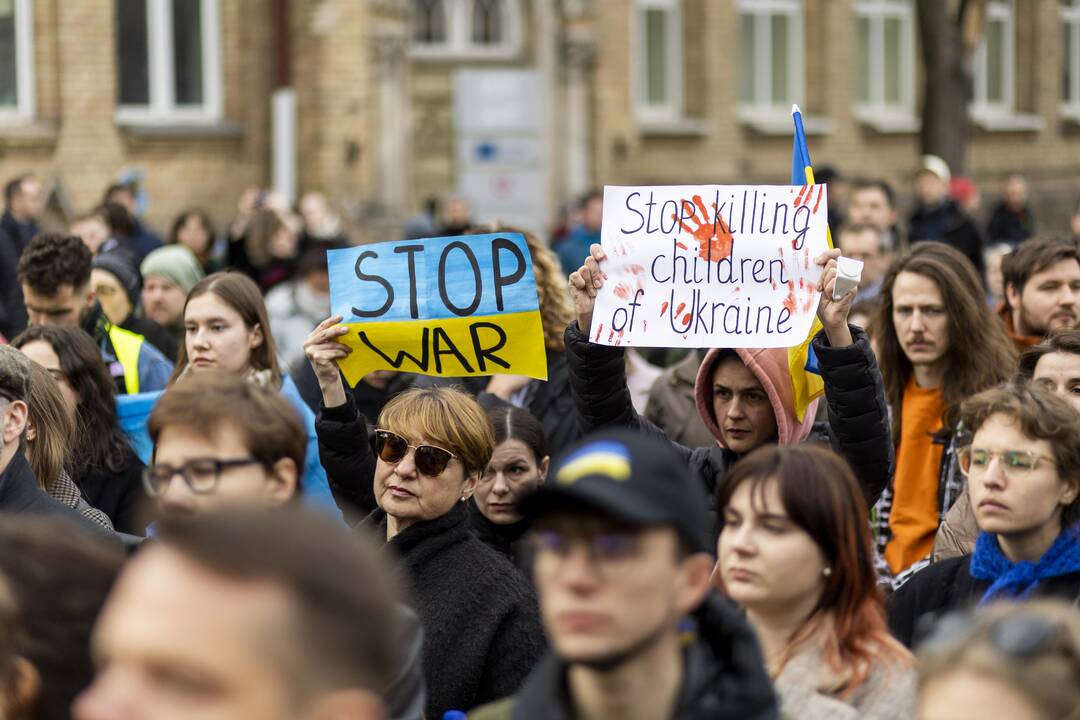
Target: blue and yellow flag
(454, 306)
(806, 380)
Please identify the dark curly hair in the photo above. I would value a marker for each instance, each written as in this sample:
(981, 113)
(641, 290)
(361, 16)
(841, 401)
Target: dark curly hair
(52, 260)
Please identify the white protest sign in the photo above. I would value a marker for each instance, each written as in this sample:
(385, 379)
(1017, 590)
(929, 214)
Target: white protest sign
(710, 265)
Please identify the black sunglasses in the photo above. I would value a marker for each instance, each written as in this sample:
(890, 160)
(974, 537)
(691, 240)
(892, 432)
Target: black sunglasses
(392, 448)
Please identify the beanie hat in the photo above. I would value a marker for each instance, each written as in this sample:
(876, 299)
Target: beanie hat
(176, 263)
(122, 266)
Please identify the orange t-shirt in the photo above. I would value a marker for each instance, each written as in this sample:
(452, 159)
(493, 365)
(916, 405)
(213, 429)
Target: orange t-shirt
(914, 515)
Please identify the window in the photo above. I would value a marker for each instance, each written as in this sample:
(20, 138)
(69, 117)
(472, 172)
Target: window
(1070, 75)
(168, 55)
(994, 62)
(16, 61)
(466, 29)
(885, 59)
(659, 60)
(770, 56)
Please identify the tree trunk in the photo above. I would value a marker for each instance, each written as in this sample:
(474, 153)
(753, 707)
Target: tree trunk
(947, 91)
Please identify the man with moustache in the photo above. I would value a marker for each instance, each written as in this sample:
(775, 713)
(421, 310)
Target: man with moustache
(1042, 290)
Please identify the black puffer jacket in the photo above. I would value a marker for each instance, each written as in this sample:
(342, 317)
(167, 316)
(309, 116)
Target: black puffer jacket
(858, 426)
(482, 631)
(346, 455)
(724, 677)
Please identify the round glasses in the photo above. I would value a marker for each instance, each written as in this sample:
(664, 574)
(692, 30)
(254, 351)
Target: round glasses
(392, 448)
(201, 475)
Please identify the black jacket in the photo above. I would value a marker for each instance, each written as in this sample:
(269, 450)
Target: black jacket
(724, 677)
(948, 223)
(346, 455)
(504, 539)
(482, 631)
(858, 426)
(13, 240)
(119, 495)
(19, 492)
(948, 585)
(1010, 227)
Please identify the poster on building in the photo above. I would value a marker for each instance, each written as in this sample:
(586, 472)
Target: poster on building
(710, 265)
(455, 306)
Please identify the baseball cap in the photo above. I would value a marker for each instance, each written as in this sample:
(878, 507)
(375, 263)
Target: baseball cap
(14, 374)
(936, 166)
(635, 478)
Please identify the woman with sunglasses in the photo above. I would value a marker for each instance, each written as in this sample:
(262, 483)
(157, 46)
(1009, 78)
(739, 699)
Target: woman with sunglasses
(1008, 662)
(518, 466)
(482, 631)
(795, 555)
(1023, 473)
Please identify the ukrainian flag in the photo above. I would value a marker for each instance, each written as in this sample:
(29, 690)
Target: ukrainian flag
(806, 381)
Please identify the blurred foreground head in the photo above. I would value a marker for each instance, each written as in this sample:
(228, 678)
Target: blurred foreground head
(247, 614)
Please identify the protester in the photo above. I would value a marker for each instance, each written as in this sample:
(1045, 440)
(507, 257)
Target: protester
(795, 553)
(297, 306)
(50, 429)
(18, 225)
(267, 251)
(518, 465)
(55, 276)
(1023, 470)
(117, 285)
(584, 234)
(194, 230)
(103, 464)
(247, 614)
(59, 574)
(839, 191)
(321, 224)
(169, 274)
(873, 202)
(621, 564)
(938, 344)
(745, 396)
(456, 216)
(1008, 662)
(137, 236)
(671, 405)
(937, 217)
(994, 258)
(1042, 290)
(227, 329)
(432, 446)
(93, 229)
(865, 243)
(1012, 220)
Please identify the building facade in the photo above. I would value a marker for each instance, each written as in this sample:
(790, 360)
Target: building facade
(519, 105)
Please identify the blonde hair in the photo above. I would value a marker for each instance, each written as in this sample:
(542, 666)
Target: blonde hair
(552, 288)
(52, 426)
(446, 417)
(1049, 680)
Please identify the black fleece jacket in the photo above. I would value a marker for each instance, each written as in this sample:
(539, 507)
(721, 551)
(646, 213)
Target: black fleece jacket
(482, 631)
(858, 426)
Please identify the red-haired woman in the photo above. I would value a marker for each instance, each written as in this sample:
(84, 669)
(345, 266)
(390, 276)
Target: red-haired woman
(795, 551)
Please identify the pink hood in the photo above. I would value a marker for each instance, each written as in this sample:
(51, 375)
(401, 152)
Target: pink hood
(770, 365)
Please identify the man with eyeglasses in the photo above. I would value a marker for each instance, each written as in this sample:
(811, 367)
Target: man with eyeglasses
(621, 565)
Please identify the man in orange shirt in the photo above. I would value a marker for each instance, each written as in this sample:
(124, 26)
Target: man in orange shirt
(1042, 290)
(938, 343)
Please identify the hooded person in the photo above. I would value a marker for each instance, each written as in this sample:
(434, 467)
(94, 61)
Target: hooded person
(745, 396)
(118, 286)
(169, 273)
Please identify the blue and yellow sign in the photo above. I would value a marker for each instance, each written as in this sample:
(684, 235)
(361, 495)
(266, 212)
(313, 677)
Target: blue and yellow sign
(453, 306)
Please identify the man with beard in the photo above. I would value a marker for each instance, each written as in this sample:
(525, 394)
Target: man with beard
(1042, 290)
(622, 569)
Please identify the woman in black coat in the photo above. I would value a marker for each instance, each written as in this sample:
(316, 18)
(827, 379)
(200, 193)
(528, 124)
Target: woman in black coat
(482, 631)
(1023, 470)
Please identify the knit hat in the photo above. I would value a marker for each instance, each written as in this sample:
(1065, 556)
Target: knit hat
(122, 266)
(14, 374)
(176, 263)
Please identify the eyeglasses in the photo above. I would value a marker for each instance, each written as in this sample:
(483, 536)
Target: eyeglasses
(201, 475)
(392, 448)
(608, 553)
(1018, 636)
(975, 461)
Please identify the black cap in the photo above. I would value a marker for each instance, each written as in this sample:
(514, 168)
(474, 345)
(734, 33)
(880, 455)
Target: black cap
(124, 268)
(635, 478)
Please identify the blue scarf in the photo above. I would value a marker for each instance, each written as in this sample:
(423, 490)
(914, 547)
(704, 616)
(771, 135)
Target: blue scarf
(1019, 580)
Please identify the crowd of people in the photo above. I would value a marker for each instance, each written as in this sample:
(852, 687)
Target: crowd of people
(647, 534)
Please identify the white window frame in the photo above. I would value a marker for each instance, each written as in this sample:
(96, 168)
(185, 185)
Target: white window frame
(980, 106)
(459, 44)
(25, 101)
(762, 106)
(876, 109)
(162, 108)
(1070, 18)
(671, 110)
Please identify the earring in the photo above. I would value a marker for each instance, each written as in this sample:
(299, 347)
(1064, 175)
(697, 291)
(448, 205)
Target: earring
(827, 572)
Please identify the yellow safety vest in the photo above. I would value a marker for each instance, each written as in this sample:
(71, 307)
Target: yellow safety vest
(127, 346)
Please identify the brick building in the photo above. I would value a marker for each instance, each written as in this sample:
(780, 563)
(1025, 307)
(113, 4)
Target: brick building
(518, 104)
